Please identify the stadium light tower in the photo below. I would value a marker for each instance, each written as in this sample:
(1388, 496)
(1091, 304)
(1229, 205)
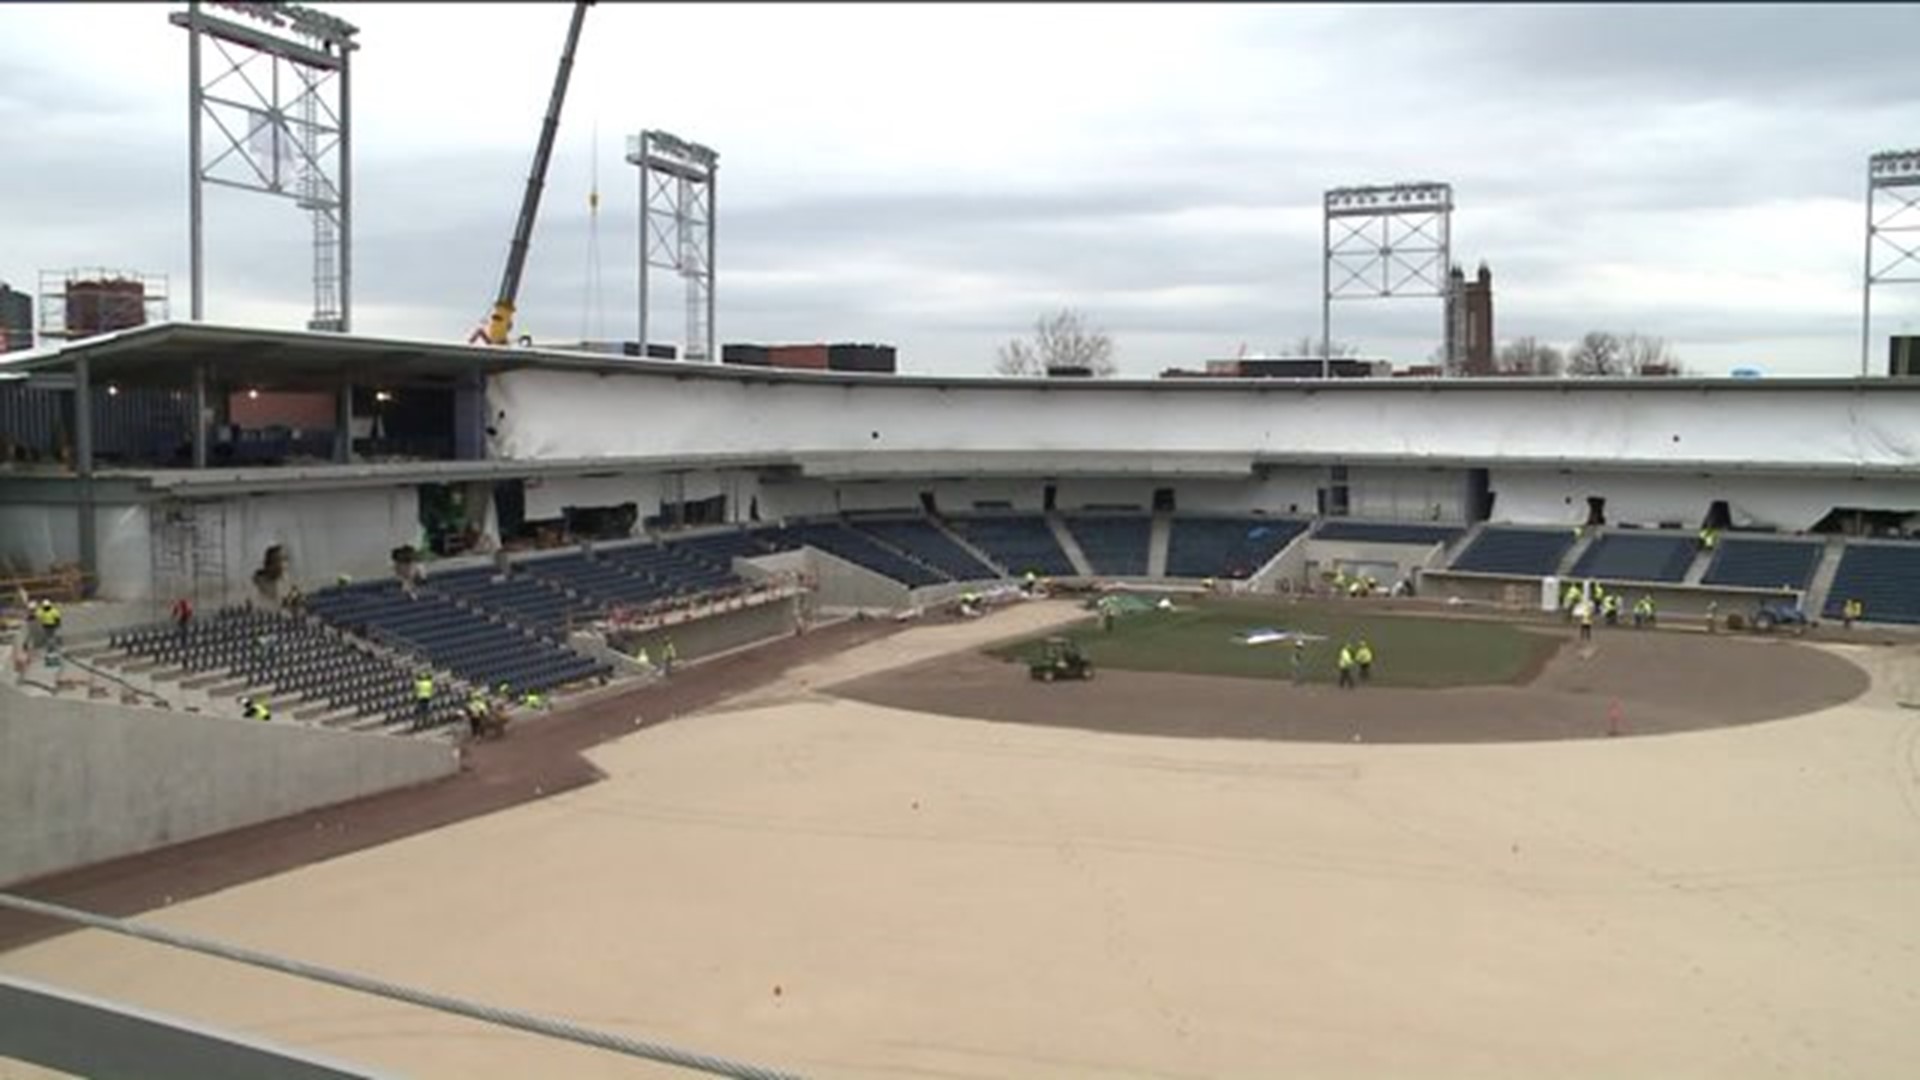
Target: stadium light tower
(1893, 228)
(678, 188)
(283, 131)
(1408, 254)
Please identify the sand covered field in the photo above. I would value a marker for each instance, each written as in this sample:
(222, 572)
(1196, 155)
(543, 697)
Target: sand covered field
(849, 888)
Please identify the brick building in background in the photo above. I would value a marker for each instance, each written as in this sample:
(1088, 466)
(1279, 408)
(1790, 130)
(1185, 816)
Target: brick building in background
(1470, 322)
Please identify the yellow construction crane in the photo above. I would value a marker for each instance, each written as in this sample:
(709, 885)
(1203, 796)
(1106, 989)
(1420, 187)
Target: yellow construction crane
(499, 328)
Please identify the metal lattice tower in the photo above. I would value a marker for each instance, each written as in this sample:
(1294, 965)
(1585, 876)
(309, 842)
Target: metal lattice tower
(1893, 220)
(1409, 253)
(678, 188)
(281, 128)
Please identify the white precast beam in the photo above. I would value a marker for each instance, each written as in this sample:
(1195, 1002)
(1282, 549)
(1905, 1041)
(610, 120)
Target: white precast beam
(547, 414)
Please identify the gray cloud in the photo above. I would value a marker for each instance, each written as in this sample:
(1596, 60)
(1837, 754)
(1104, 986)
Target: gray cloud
(1591, 148)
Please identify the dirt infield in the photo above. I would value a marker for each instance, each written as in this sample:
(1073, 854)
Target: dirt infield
(1662, 681)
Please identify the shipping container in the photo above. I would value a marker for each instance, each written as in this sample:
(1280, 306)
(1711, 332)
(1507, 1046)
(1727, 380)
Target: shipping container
(870, 358)
(748, 355)
(813, 357)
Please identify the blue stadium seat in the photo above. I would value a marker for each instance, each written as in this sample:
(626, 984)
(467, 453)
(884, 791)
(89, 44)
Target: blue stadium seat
(1018, 543)
(922, 540)
(1385, 532)
(1226, 547)
(1638, 557)
(1763, 564)
(1884, 577)
(1115, 545)
(1520, 552)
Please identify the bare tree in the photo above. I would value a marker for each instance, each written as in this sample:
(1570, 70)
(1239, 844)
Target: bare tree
(1597, 353)
(1602, 352)
(1529, 356)
(1645, 354)
(1060, 340)
(1308, 345)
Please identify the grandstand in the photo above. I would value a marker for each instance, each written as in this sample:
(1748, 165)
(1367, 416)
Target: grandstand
(1018, 543)
(1385, 532)
(1113, 545)
(1763, 564)
(1637, 557)
(1516, 552)
(689, 515)
(1226, 547)
(1885, 578)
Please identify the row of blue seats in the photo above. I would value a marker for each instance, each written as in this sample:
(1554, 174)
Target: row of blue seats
(473, 646)
(1113, 545)
(1227, 547)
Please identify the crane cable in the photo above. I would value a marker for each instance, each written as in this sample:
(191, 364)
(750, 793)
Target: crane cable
(593, 308)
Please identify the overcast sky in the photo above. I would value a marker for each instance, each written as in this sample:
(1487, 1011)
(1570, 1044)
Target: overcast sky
(936, 176)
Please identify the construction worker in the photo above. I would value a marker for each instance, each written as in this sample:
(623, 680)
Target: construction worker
(1339, 581)
(1850, 611)
(1299, 657)
(1569, 599)
(422, 696)
(1713, 616)
(1586, 620)
(1643, 611)
(1032, 580)
(1708, 537)
(644, 659)
(533, 699)
(1346, 666)
(1363, 656)
(252, 709)
(48, 616)
(477, 709)
(668, 654)
(1610, 607)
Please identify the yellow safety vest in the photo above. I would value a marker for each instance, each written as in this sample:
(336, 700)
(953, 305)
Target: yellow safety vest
(423, 689)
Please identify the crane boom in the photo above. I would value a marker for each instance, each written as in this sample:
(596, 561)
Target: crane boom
(499, 328)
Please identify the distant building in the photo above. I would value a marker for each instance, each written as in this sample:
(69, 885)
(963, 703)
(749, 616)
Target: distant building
(16, 319)
(1470, 322)
(1286, 367)
(869, 358)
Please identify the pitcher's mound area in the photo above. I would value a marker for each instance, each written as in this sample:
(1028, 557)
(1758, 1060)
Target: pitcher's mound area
(1660, 681)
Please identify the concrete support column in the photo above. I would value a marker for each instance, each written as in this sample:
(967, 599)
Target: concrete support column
(199, 416)
(83, 469)
(343, 422)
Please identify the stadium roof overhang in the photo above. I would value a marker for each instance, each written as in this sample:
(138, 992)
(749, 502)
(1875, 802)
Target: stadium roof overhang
(165, 354)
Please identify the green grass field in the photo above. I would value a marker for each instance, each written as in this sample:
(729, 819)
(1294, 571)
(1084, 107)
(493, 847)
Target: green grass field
(1200, 638)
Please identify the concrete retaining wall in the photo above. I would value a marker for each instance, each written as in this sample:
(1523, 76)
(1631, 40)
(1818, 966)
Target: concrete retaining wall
(81, 782)
(1670, 601)
(725, 630)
